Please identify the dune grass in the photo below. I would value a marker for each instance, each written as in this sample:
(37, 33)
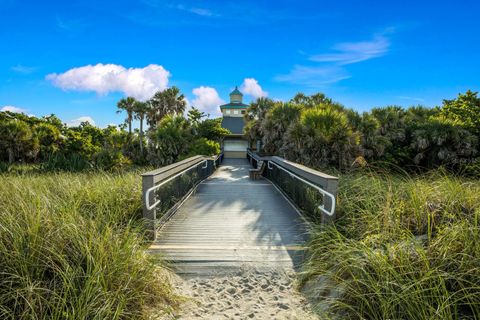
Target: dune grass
(404, 247)
(71, 247)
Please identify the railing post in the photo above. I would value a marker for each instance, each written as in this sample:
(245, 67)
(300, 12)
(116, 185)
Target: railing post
(210, 166)
(148, 181)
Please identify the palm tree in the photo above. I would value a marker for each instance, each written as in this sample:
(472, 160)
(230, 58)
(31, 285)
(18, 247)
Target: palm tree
(314, 100)
(276, 123)
(167, 102)
(17, 139)
(258, 109)
(329, 138)
(140, 109)
(127, 104)
(170, 140)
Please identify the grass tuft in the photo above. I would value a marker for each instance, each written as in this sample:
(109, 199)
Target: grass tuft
(72, 247)
(404, 247)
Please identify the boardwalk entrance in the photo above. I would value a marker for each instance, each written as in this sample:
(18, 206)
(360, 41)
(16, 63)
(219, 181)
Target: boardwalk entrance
(231, 221)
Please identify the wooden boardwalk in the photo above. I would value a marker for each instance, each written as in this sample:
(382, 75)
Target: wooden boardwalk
(231, 221)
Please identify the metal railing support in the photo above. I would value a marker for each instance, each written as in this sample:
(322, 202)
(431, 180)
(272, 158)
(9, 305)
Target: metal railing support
(148, 201)
(153, 180)
(149, 215)
(327, 184)
(327, 194)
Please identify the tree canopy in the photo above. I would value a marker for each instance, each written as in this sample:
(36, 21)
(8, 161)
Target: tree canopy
(319, 132)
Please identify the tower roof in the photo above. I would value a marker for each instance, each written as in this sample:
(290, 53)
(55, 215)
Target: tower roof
(236, 91)
(234, 105)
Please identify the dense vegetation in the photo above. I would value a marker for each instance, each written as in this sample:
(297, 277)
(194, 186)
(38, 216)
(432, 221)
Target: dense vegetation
(72, 247)
(320, 133)
(170, 137)
(406, 240)
(402, 247)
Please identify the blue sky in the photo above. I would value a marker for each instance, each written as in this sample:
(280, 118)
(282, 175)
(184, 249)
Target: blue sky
(77, 58)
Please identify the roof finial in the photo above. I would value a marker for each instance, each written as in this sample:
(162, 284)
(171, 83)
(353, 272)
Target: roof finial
(236, 91)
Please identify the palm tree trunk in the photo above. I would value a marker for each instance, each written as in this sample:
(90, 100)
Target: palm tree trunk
(11, 156)
(141, 133)
(130, 117)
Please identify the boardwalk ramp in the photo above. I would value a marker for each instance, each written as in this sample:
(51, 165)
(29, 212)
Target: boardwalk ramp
(231, 221)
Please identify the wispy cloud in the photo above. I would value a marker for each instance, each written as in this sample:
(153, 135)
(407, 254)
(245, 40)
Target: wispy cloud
(314, 76)
(23, 69)
(71, 25)
(198, 11)
(230, 13)
(411, 98)
(331, 65)
(353, 52)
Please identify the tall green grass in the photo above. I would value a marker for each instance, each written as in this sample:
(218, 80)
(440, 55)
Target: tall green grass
(71, 247)
(403, 248)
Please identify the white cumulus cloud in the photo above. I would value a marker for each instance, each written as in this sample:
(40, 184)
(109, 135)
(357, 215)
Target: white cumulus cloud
(78, 121)
(13, 109)
(207, 100)
(251, 87)
(140, 83)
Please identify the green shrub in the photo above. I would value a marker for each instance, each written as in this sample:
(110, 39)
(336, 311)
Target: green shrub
(108, 159)
(169, 141)
(203, 146)
(322, 137)
(464, 110)
(49, 138)
(65, 161)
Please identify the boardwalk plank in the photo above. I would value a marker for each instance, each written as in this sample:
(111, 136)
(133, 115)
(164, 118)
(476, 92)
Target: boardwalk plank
(231, 221)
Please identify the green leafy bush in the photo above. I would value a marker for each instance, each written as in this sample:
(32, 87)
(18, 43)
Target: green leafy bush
(169, 141)
(203, 146)
(464, 110)
(110, 159)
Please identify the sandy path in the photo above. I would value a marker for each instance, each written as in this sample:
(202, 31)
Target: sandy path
(245, 294)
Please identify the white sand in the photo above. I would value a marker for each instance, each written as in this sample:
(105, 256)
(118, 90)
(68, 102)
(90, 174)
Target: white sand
(243, 294)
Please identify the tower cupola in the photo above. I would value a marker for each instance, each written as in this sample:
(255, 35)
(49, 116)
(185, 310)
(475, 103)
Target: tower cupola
(236, 96)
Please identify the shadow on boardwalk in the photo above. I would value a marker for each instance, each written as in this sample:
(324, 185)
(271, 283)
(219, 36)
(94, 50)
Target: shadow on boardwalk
(231, 221)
